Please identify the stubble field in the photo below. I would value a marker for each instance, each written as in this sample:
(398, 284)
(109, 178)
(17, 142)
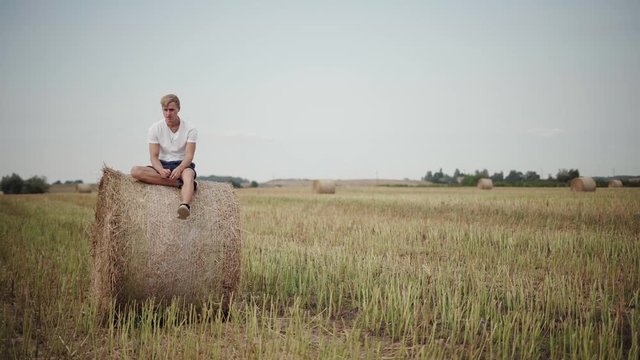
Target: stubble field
(366, 273)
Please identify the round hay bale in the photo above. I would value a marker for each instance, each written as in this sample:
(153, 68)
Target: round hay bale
(83, 188)
(324, 186)
(141, 250)
(583, 184)
(485, 184)
(615, 183)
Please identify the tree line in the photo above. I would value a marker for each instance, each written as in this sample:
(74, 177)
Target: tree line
(513, 178)
(14, 184)
(236, 182)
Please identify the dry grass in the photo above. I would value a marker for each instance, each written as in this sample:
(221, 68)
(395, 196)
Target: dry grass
(69, 188)
(367, 273)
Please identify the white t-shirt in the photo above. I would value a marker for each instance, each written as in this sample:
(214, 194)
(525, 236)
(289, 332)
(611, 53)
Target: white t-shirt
(172, 145)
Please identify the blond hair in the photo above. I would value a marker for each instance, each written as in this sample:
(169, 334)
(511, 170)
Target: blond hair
(168, 99)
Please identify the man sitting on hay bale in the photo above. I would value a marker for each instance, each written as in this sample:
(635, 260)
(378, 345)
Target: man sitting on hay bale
(172, 145)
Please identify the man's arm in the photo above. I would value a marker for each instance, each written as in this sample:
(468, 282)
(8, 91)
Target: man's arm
(154, 153)
(189, 152)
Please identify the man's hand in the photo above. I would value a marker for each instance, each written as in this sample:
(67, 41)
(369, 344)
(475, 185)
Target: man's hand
(175, 174)
(165, 173)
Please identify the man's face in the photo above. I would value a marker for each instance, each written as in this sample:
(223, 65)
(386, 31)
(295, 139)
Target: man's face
(170, 113)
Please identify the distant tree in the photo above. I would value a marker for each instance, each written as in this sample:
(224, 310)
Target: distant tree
(562, 175)
(58, 182)
(514, 176)
(236, 184)
(459, 176)
(482, 174)
(497, 176)
(531, 176)
(441, 178)
(565, 175)
(12, 184)
(438, 174)
(470, 180)
(35, 185)
(254, 184)
(428, 176)
(574, 173)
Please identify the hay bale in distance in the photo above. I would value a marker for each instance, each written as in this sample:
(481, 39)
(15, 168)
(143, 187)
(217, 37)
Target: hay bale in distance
(83, 188)
(615, 183)
(485, 184)
(324, 186)
(583, 183)
(141, 250)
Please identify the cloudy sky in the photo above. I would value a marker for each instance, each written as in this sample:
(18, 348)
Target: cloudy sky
(323, 89)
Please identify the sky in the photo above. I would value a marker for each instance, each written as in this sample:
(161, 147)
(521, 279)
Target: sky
(323, 89)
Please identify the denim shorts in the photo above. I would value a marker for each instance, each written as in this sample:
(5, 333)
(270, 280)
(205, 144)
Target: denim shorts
(171, 165)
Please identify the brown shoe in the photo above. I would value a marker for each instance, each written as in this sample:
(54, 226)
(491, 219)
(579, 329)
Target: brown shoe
(184, 210)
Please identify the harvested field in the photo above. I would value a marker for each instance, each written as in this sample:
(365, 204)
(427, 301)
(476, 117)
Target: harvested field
(71, 188)
(367, 273)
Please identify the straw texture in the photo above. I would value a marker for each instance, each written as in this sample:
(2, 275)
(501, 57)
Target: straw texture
(485, 184)
(141, 250)
(83, 188)
(324, 186)
(615, 183)
(583, 184)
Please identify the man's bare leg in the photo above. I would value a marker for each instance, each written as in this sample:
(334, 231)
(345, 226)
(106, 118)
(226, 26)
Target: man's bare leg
(150, 176)
(188, 176)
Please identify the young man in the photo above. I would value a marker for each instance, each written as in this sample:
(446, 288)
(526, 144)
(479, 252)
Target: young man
(172, 144)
